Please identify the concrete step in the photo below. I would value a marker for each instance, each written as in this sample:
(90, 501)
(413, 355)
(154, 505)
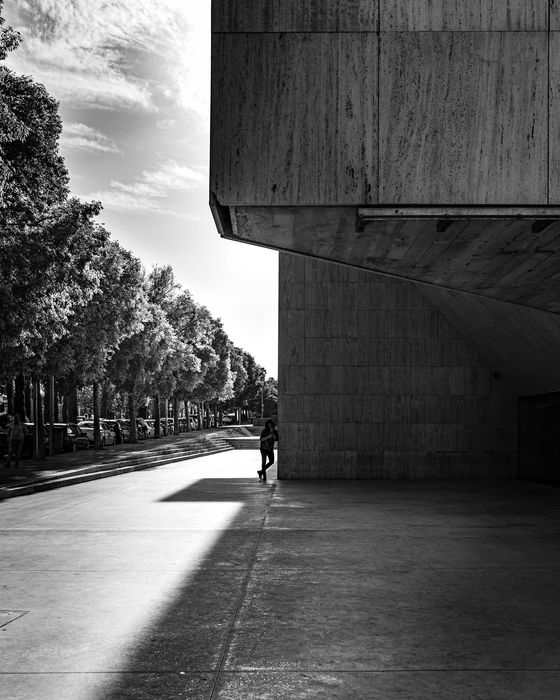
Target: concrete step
(244, 443)
(146, 459)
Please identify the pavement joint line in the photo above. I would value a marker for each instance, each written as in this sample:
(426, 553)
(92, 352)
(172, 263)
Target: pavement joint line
(291, 672)
(242, 594)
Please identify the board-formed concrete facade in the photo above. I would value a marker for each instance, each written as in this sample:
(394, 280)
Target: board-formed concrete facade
(418, 142)
(376, 383)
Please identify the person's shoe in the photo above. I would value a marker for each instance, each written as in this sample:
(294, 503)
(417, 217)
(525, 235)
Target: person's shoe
(259, 472)
(264, 476)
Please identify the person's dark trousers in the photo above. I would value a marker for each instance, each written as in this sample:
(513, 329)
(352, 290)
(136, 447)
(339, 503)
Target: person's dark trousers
(15, 448)
(266, 455)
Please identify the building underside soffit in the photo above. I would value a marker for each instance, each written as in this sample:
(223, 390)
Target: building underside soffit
(515, 258)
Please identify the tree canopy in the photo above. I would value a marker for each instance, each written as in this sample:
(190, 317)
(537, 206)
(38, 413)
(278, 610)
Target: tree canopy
(73, 302)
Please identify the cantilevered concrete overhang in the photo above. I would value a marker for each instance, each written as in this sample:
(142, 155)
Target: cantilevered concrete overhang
(506, 253)
(419, 140)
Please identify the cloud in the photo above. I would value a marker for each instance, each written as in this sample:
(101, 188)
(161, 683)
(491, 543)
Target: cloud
(84, 138)
(115, 54)
(173, 176)
(149, 191)
(135, 204)
(166, 124)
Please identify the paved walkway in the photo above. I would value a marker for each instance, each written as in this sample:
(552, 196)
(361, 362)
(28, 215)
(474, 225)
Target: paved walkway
(62, 464)
(195, 580)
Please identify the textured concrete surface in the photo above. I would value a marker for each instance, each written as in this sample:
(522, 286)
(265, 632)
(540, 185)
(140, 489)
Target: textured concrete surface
(195, 580)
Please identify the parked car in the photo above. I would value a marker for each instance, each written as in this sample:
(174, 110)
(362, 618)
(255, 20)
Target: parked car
(151, 427)
(76, 437)
(115, 427)
(143, 428)
(106, 434)
(68, 437)
(183, 422)
(125, 428)
(194, 421)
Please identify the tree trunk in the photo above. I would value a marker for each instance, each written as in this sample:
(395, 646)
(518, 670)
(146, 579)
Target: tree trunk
(96, 424)
(29, 409)
(157, 411)
(52, 417)
(132, 417)
(71, 400)
(39, 447)
(19, 397)
(104, 408)
(56, 402)
(188, 414)
(166, 404)
(176, 414)
(199, 414)
(10, 396)
(207, 413)
(47, 399)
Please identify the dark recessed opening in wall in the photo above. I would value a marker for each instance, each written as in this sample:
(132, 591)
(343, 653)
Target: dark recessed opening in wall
(539, 438)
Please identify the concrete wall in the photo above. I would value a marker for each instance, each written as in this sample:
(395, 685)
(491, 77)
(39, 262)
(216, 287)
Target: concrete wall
(375, 383)
(341, 102)
(522, 344)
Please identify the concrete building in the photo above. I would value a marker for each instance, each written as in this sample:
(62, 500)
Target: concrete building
(404, 157)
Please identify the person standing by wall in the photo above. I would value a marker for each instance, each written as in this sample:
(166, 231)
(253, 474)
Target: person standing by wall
(16, 434)
(268, 437)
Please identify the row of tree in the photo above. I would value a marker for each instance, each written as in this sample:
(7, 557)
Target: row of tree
(77, 306)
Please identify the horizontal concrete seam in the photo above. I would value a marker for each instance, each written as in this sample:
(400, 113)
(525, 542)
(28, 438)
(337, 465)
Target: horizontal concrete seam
(320, 670)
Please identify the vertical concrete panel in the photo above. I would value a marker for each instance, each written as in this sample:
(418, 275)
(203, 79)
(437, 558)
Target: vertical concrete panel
(463, 118)
(387, 392)
(463, 15)
(554, 15)
(554, 138)
(294, 15)
(288, 109)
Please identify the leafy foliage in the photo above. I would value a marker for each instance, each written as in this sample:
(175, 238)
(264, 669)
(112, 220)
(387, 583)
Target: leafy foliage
(112, 314)
(47, 274)
(34, 176)
(75, 304)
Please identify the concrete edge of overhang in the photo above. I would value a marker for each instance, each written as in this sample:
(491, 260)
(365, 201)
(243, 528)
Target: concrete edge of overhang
(227, 229)
(222, 217)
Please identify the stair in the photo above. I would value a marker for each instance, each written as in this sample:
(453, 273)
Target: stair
(122, 463)
(243, 443)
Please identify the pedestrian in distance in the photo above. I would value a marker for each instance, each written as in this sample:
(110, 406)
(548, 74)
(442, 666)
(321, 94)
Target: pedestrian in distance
(16, 435)
(268, 437)
(118, 433)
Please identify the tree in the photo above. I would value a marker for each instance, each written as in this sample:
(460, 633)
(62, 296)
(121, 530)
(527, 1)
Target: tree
(11, 127)
(194, 351)
(219, 379)
(9, 38)
(270, 397)
(250, 391)
(33, 175)
(141, 356)
(112, 314)
(47, 274)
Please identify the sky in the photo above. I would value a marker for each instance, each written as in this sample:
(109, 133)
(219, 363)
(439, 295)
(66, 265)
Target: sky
(133, 81)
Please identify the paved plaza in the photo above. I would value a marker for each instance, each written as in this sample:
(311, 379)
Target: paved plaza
(195, 580)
